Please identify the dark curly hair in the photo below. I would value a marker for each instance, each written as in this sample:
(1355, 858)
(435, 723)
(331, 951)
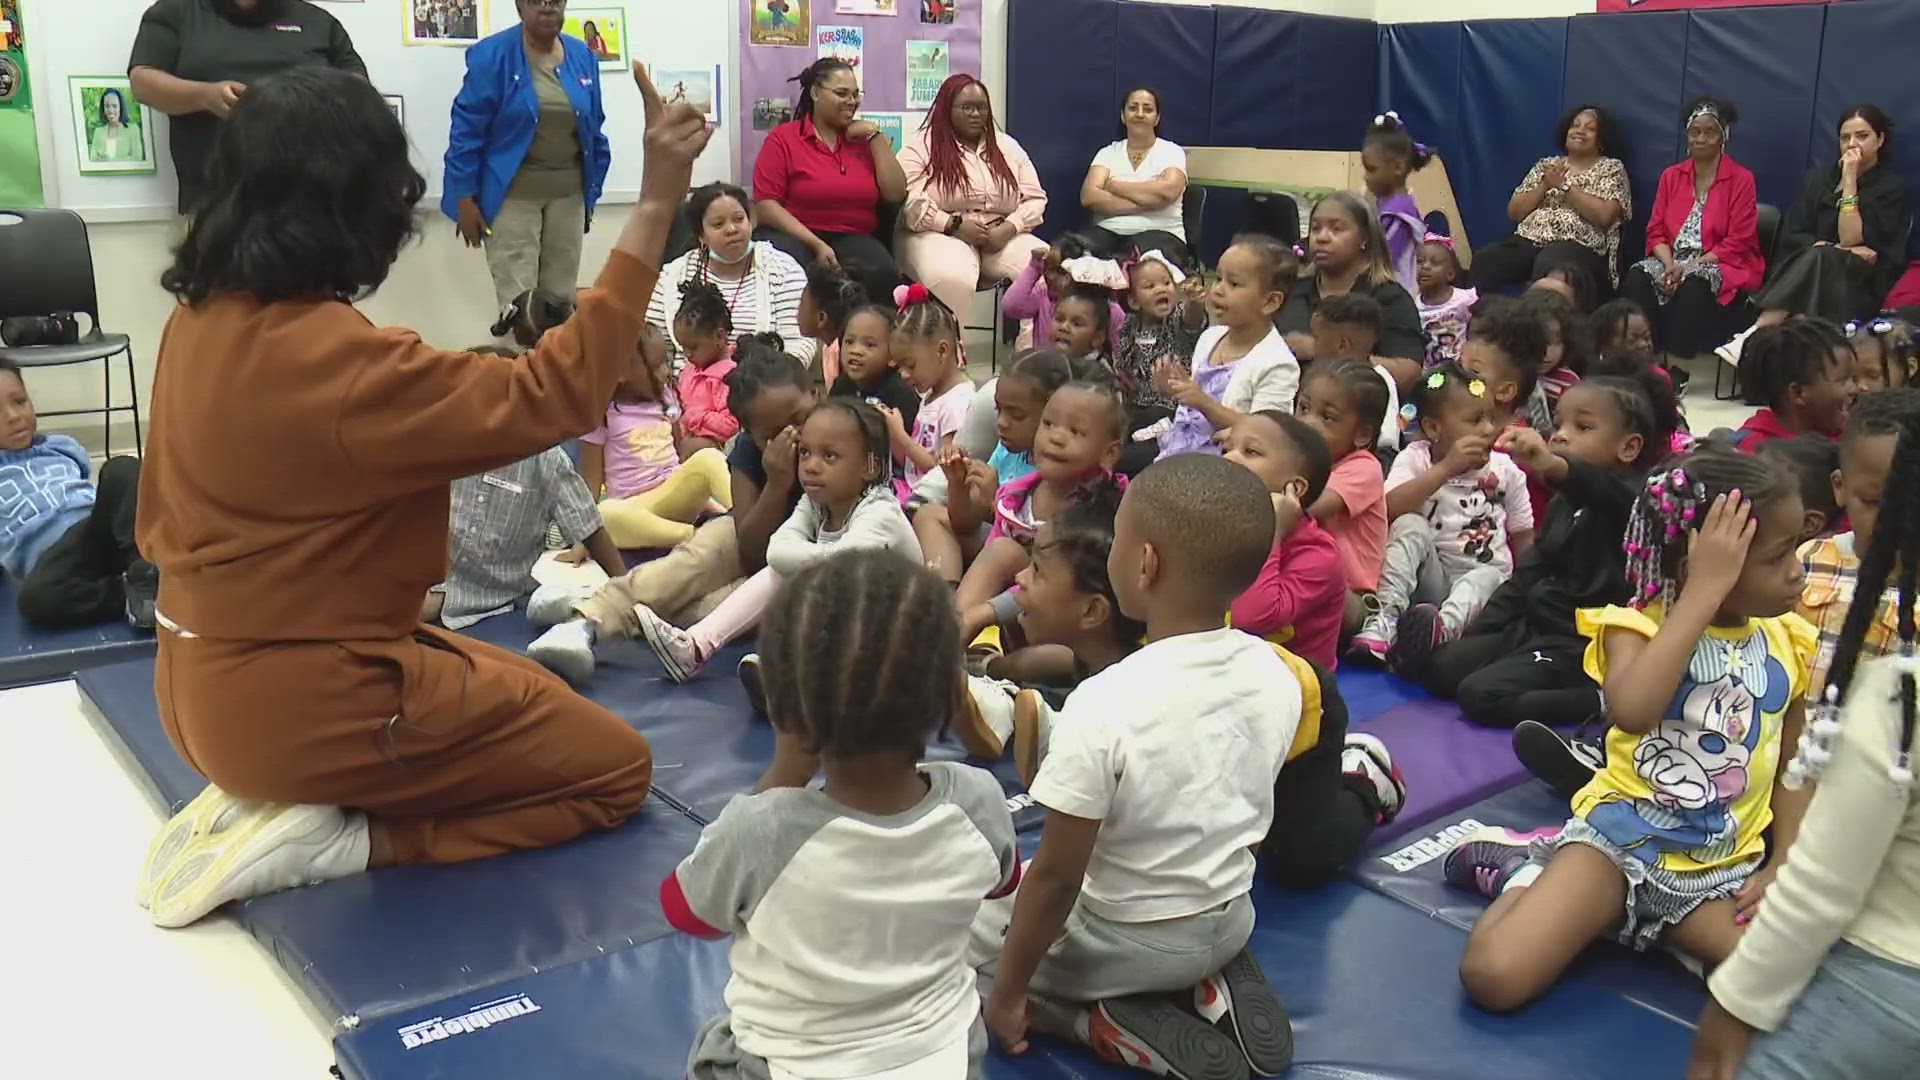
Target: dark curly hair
(1099, 298)
(1080, 533)
(309, 195)
(703, 308)
(1354, 309)
(1389, 136)
(1645, 399)
(1576, 336)
(1365, 390)
(1793, 353)
(1606, 135)
(874, 441)
(858, 653)
(835, 293)
(1608, 324)
(1675, 501)
(1517, 331)
(758, 369)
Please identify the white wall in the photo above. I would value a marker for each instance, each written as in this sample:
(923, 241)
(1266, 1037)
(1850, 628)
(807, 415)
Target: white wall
(1401, 11)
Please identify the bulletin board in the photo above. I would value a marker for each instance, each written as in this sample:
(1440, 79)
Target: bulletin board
(19, 135)
(885, 34)
(98, 37)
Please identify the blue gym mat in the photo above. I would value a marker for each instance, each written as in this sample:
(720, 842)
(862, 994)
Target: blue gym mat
(1370, 985)
(1408, 870)
(29, 655)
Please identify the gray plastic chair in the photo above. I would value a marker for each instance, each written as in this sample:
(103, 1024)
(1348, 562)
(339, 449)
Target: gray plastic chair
(46, 267)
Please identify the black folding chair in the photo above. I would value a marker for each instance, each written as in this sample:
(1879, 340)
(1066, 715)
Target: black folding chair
(46, 267)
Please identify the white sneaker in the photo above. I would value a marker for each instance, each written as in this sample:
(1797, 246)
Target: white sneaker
(671, 644)
(551, 605)
(264, 849)
(207, 811)
(566, 650)
(985, 720)
(1730, 352)
(1366, 758)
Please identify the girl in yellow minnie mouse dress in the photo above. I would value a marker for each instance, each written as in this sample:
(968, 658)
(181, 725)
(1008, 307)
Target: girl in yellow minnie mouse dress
(1703, 678)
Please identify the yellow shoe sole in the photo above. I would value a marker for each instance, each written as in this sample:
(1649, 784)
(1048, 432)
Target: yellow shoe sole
(192, 888)
(190, 823)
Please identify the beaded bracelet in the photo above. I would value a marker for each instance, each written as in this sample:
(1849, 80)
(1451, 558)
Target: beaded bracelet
(1846, 204)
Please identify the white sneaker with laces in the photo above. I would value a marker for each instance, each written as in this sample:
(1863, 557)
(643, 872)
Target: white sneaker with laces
(551, 605)
(263, 849)
(566, 650)
(1366, 757)
(671, 644)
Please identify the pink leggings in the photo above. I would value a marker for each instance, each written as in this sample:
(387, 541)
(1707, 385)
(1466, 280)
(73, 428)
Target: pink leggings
(737, 614)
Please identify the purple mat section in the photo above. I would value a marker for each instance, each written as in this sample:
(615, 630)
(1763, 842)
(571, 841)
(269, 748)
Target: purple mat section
(1447, 762)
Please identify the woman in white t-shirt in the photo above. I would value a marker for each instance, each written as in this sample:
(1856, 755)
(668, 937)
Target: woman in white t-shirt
(1134, 186)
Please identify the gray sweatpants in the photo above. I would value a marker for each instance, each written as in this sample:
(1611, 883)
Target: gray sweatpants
(1096, 959)
(716, 1056)
(1415, 568)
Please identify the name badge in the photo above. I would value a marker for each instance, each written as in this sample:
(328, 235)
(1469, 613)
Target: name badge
(504, 485)
(287, 28)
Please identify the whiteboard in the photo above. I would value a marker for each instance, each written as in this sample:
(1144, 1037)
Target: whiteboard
(94, 37)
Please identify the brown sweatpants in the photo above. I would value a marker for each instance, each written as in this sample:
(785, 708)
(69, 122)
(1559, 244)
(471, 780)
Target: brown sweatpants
(682, 586)
(454, 748)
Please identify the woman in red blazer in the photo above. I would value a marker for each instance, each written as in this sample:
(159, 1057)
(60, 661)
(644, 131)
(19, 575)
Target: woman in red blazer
(1703, 242)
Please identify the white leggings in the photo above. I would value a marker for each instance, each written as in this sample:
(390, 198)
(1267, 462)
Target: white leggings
(737, 614)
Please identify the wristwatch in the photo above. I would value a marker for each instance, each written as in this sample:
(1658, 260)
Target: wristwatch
(953, 225)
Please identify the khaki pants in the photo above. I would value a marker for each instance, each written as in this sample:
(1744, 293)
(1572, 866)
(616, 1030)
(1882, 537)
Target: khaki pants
(535, 243)
(683, 586)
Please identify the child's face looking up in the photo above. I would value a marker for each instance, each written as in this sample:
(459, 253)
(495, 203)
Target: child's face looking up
(863, 348)
(1243, 297)
(1075, 326)
(1152, 290)
(835, 467)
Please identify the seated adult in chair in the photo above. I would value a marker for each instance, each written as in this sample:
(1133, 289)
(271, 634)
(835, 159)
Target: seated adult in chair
(1842, 245)
(1568, 209)
(973, 198)
(1134, 186)
(821, 177)
(295, 498)
(760, 283)
(1349, 253)
(1703, 241)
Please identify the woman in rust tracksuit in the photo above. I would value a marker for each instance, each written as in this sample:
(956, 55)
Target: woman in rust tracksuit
(295, 496)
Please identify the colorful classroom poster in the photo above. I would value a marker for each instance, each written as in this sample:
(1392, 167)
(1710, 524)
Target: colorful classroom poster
(927, 63)
(780, 22)
(19, 141)
(843, 43)
(605, 32)
(938, 12)
(864, 7)
(891, 124)
(695, 86)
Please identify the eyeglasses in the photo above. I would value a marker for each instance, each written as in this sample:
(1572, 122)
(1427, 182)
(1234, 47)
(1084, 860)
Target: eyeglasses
(973, 108)
(845, 95)
(547, 5)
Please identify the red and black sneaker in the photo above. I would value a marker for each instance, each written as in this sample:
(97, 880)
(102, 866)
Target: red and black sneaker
(1241, 1004)
(1150, 1033)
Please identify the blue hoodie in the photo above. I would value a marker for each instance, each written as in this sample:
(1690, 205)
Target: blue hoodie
(44, 491)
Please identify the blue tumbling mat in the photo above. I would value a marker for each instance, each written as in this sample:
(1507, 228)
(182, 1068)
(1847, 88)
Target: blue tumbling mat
(1408, 870)
(30, 655)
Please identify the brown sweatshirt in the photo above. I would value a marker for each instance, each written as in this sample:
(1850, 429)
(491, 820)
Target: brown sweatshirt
(297, 465)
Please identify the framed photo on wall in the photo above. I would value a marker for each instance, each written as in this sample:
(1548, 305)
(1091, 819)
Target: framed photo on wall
(112, 133)
(697, 86)
(605, 32)
(399, 106)
(445, 22)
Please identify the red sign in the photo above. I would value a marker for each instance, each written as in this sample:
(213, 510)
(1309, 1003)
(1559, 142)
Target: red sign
(1679, 5)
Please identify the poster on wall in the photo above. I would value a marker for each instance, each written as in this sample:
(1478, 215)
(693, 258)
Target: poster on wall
(842, 43)
(926, 69)
(937, 12)
(110, 129)
(605, 32)
(1682, 5)
(770, 113)
(865, 7)
(445, 22)
(891, 124)
(780, 22)
(697, 87)
(19, 141)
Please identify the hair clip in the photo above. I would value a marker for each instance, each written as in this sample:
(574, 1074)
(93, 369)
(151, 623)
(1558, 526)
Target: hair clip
(1093, 270)
(1299, 251)
(1381, 119)
(1477, 388)
(906, 296)
(1409, 412)
(1438, 238)
(1436, 380)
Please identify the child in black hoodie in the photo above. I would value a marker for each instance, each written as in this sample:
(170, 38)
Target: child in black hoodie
(1520, 659)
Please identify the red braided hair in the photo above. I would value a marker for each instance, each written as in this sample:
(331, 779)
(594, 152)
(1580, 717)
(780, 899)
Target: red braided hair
(944, 167)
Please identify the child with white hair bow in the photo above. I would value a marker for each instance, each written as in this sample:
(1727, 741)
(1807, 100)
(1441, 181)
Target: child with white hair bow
(1166, 310)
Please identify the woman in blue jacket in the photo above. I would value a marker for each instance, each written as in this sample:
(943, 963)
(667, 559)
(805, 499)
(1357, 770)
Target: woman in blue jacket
(527, 156)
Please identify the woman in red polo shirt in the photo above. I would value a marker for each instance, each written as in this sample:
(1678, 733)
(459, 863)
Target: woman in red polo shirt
(821, 177)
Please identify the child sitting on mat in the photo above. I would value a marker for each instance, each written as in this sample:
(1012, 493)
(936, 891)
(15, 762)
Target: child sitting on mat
(859, 652)
(1083, 323)
(1344, 402)
(1826, 980)
(1883, 350)
(1044, 281)
(1301, 593)
(771, 395)
(867, 370)
(926, 348)
(1569, 350)
(1167, 310)
(704, 328)
(499, 526)
(1811, 461)
(1139, 894)
(1459, 516)
(1619, 329)
(1518, 664)
(67, 544)
(1241, 363)
(1444, 306)
(1347, 327)
(849, 504)
(651, 490)
(953, 532)
(829, 300)
(1801, 373)
(1706, 678)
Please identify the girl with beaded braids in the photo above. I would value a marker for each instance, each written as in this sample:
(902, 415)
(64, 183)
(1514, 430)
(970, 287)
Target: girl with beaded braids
(1704, 677)
(1828, 974)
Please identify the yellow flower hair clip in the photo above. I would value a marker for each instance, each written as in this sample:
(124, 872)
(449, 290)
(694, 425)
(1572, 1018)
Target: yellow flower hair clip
(1436, 380)
(1477, 388)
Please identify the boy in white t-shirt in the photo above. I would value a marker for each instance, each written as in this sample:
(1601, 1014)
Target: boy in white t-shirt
(1158, 780)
